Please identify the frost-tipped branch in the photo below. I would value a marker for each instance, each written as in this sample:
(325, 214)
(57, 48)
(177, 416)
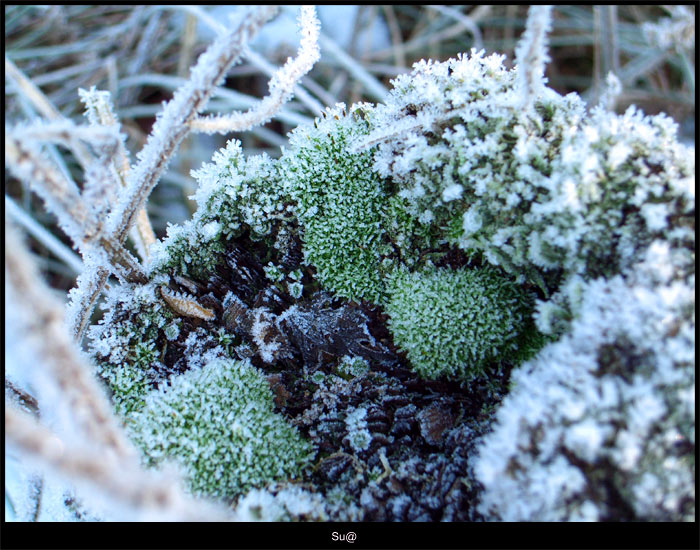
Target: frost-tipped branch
(531, 54)
(124, 483)
(41, 103)
(83, 298)
(299, 92)
(172, 125)
(20, 398)
(281, 85)
(62, 198)
(100, 113)
(32, 92)
(78, 221)
(170, 128)
(62, 361)
(235, 99)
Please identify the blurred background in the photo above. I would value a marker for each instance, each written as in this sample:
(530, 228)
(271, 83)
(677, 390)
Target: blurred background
(142, 53)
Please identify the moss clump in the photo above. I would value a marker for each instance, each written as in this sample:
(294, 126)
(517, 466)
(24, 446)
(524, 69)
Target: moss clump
(536, 192)
(452, 323)
(235, 194)
(340, 205)
(218, 422)
(126, 343)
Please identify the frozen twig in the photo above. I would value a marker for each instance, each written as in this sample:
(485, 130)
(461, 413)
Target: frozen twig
(41, 103)
(169, 130)
(91, 409)
(282, 84)
(531, 55)
(173, 125)
(150, 496)
(75, 218)
(233, 98)
(27, 163)
(100, 113)
(269, 69)
(83, 298)
(21, 398)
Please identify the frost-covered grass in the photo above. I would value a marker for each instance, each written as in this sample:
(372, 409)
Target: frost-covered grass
(476, 214)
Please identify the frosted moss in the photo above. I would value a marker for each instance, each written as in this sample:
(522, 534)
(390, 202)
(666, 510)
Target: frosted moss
(235, 194)
(218, 423)
(603, 420)
(536, 191)
(451, 323)
(126, 343)
(339, 204)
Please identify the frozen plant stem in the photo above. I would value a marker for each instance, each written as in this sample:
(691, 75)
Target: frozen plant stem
(41, 103)
(123, 482)
(531, 54)
(61, 359)
(101, 114)
(169, 130)
(281, 84)
(174, 123)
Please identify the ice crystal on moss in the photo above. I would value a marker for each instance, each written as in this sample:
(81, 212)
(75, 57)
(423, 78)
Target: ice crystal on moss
(534, 191)
(451, 323)
(602, 421)
(218, 423)
(235, 193)
(340, 204)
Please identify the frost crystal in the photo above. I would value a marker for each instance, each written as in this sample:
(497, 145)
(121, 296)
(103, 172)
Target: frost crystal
(218, 423)
(603, 414)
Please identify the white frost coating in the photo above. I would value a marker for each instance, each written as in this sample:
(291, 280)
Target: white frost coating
(211, 230)
(452, 192)
(169, 128)
(288, 504)
(358, 434)
(610, 392)
(281, 84)
(263, 323)
(531, 54)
